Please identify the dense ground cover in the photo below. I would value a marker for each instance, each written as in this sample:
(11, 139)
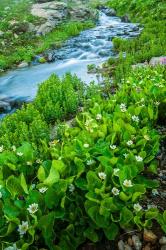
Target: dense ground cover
(18, 44)
(62, 183)
(151, 15)
(90, 179)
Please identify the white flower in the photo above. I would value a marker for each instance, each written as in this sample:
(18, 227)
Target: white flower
(33, 208)
(113, 147)
(22, 228)
(20, 154)
(155, 192)
(33, 186)
(0, 195)
(29, 163)
(39, 161)
(90, 162)
(123, 107)
(125, 155)
(127, 183)
(116, 171)
(98, 117)
(129, 143)
(13, 148)
(43, 190)
(71, 188)
(102, 175)
(135, 118)
(86, 145)
(1, 149)
(137, 207)
(138, 158)
(157, 103)
(115, 191)
(146, 137)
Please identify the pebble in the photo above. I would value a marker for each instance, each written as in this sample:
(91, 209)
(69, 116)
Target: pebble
(149, 236)
(136, 242)
(130, 242)
(127, 247)
(162, 241)
(121, 245)
(147, 247)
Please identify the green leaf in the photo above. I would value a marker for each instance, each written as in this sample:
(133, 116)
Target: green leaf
(151, 213)
(46, 224)
(53, 176)
(126, 216)
(93, 181)
(90, 234)
(59, 166)
(27, 151)
(111, 232)
(13, 186)
(23, 183)
(150, 112)
(41, 174)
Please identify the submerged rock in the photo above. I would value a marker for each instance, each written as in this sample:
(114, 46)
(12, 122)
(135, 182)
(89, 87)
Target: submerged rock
(23, 65)
(125, 19)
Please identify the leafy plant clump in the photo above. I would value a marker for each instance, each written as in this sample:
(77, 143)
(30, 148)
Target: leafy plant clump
(56, 99)
(93, 181)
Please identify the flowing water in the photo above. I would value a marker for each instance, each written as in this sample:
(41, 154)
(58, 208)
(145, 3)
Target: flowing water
(92, 46)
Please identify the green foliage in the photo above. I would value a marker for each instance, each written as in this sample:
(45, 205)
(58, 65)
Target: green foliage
(93, 180)
(151, 41)
(58, 98)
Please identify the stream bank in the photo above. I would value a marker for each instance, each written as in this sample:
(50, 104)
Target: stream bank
(93, 46)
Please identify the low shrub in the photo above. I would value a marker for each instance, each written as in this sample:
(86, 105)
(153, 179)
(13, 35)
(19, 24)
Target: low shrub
(58, 98)
(93, 183)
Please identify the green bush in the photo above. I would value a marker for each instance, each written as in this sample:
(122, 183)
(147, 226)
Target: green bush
(26, 124)
(58, 98)
(94, 180)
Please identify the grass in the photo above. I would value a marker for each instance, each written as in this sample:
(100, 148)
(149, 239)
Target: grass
(149, 44)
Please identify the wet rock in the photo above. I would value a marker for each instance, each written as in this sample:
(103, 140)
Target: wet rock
(109, 12)
(162, 241)
(4, 106)
(158, 60)
(125, 19)
(136, 242)
(50, 57)
(149, 236)
(23, 65)
(104, 53)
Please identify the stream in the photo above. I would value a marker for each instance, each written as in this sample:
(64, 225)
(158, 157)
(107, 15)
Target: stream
(93, 46)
